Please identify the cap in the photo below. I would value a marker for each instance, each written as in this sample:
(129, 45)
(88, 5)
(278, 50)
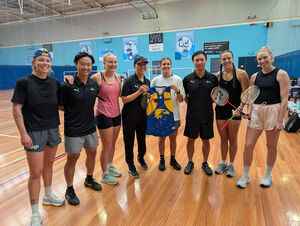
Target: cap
(41, 52)
(140, 59)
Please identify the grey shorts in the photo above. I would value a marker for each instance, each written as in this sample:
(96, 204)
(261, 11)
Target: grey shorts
(177, 124)
(40, 139)
(73, 145)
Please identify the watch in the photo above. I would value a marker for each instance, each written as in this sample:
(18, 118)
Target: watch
(178, 92)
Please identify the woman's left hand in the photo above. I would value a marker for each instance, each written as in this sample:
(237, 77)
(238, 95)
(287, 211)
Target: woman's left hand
(278, 127)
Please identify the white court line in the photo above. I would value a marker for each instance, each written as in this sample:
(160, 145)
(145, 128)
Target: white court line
(5, 135)
(12, 161)
(8, 153)
(3, 123)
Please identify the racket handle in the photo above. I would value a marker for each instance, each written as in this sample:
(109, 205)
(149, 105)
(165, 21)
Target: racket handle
(101, 98)
(225, 125)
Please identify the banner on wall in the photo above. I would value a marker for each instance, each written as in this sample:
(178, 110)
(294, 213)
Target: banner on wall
(211, 48)
(85, 46)
(130, 48)
(156, 43)
(103, 52)
(184, 45)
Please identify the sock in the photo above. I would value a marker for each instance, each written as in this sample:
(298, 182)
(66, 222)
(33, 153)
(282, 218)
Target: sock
(48, 191)
(246, 170)
(89, 177)
(71, 189)
(203, 163)
(35, 209)
(162, 157)
(224, 162)
(230, 164)
(268, 170)
(109, 165)
(172, 157)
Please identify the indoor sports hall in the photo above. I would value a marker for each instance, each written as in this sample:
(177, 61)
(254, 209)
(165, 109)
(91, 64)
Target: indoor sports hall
(153, 29)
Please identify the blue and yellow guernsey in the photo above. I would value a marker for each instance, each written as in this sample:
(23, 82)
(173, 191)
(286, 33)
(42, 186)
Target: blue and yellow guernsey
(160, 117)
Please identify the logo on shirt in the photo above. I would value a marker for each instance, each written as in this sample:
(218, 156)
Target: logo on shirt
(159, 113)
(192, 81)
(77, 90)
(136, 86)
(92, 89)
(34, 147)
(208, 81)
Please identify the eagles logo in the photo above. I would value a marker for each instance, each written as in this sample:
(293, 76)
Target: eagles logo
(159, 113)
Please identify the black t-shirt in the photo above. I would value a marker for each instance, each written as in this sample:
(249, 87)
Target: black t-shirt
(131, 85)
(78, 101)
(40, 100)
(199, 108)
(269, 87)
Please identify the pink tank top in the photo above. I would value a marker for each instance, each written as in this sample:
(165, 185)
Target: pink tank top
(110, 92)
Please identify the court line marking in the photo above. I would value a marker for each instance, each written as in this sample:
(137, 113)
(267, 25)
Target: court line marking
(5, 135)
(3, 123)
(7, 109)
(8, 153)
(14, 179)
(12, 161)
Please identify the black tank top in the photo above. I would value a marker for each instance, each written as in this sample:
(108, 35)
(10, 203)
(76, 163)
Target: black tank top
(234, 94)
(269, 87)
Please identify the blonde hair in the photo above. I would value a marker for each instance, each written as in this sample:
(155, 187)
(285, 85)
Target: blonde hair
(266, 49)
(105, 57)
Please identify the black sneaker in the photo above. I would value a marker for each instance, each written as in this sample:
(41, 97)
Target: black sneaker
(92, 184)
(143, 163)
(175, 164)
(161, 165)
(71, 197)
(207, 169)
(189, 167)
(132, 171)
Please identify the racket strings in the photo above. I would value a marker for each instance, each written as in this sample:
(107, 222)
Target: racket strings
(219, 96)
(250, 95)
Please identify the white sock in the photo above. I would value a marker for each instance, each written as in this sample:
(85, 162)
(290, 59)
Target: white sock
(246, 170)
(230, 164)
(35, 209)
(109, 164)
(268, 170)
(224, 162)
(48, 191)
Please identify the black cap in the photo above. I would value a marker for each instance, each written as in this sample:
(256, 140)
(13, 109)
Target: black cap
(140, 59)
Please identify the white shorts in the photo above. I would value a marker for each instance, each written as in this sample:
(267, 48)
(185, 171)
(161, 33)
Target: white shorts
(264, 116)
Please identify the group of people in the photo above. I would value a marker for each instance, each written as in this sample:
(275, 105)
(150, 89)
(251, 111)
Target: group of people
(38, 97)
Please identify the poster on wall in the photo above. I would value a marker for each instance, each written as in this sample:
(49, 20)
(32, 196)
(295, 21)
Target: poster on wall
(212, 48)
(29, 59)
(184, 45)
(49, 48)
(85, 46)
(103, 52)
(156, 43)
(130, 48)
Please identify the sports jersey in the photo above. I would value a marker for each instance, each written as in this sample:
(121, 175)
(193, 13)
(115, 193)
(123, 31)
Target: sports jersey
(160, 117)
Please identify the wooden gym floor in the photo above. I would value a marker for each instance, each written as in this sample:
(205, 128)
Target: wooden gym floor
(156, 198)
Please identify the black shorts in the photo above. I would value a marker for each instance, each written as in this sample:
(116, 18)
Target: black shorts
(204, 130)
(104, 122)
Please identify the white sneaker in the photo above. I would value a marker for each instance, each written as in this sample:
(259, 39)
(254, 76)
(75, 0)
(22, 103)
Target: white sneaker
(36, 220)
(53, 200)
(230, 171)
(266, 181)
(109, 179)
(221, 168)
(242, 183)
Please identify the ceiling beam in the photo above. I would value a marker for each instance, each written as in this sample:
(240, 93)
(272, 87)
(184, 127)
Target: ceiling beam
(47, 7)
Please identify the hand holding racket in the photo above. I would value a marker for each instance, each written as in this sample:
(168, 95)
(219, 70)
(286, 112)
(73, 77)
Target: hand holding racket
(221, 97)
(247, 97)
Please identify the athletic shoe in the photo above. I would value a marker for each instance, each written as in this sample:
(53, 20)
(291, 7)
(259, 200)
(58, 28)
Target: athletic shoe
(207, 169)
(221, 168)
(36, 220)
(266, 181)
(72, 197)
(53, 200)
(189, 167)
(161, 165)
(143, 163)
(109, 179)
(175, 164)
(92, 184)
(230, 171)
(242, 183)
(113, 171)
(132, 171)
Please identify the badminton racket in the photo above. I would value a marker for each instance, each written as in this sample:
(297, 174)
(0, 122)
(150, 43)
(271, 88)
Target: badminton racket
(247, 97)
